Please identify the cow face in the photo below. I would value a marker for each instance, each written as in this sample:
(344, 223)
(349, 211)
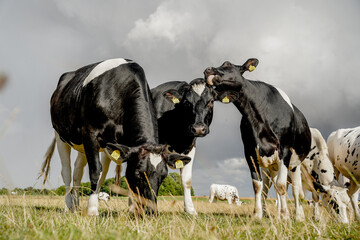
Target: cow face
(229, 74)
(146, 169)
(195, 103)
(335, 199)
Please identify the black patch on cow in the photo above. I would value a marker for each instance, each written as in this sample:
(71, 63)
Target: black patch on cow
(348, 133)
(323, 170)
(294, 169)
(353, 151)
(355, 163)
(347, 185)
(335, 206)
(358, 136)
(346, 159)
(312, 156)
(313, 148)
(315, 176)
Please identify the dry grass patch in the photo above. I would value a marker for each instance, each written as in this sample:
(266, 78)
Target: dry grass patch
(31, 217)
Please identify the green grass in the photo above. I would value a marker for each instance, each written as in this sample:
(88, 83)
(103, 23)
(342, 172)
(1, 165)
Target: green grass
(42, 217)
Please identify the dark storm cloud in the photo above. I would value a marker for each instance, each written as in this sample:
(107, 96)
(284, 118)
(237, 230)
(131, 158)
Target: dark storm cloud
(309, 49)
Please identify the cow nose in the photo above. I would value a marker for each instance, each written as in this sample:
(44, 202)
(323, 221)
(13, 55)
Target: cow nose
(199, 129)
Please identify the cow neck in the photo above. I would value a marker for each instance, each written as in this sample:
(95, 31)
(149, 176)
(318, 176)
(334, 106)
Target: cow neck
(182, 145)
(249, 106)
(140, 118)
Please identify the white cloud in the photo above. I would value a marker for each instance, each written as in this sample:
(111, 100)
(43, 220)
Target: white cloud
(233, 168)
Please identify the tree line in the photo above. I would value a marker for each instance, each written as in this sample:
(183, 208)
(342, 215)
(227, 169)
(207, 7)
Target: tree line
(170, 186)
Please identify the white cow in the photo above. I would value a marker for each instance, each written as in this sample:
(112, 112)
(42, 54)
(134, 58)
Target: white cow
(344, 151)
(224, 192)
(317, 166)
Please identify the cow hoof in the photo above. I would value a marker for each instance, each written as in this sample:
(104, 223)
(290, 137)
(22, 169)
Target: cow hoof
(93, 212)
(191, 212)
(258, 216)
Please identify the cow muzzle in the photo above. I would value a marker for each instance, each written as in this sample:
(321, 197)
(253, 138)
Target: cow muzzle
(199, 130)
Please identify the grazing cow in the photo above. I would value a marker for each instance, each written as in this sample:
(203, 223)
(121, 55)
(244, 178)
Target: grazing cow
(317, 166)
(184, 112)
(224, 192)
(344, 151)
(107, 106)
(275, 133)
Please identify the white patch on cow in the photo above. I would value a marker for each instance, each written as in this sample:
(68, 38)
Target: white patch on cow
(104, 67)
(285, 97)
(268, 162)
(93, 205)
(199, 88)
(155, 159)
(104, 196)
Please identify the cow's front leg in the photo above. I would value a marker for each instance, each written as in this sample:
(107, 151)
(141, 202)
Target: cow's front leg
(186, 174)
(354, 196)
(78, 174)
(297, 186)
(280, 188)
(257, 185)
(92, 155)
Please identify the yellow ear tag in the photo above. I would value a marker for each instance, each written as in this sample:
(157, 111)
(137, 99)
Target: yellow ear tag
(225, 100)
(175, 100)
(115, 154)
(251, 68)
(179, 164)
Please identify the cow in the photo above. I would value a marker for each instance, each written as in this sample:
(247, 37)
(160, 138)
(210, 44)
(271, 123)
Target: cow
(274, 131)
(344, 151)
(184, 113)
(318, 167)
(224, 192)
(107, 107)
(104, 196)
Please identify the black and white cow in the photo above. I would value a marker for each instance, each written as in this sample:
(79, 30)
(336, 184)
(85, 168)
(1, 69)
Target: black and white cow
(344, 151)
(107, 106)
(224, 192)
(317, 166)
(184, 112)
(275, 133)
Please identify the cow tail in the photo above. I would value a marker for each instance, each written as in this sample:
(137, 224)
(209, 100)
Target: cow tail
(46, 164)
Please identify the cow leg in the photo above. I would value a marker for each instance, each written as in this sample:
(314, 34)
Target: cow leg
(281, 188)
(92, 155)
(257, 185)
(77, 176)
(229, 199)
(186, 173)
(354, 196)
(297, 188)
(105, 163)
(211, 198)
(265, 173)
(64, 153)
(316, 213)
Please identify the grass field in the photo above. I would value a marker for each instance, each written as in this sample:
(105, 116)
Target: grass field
(42, 217)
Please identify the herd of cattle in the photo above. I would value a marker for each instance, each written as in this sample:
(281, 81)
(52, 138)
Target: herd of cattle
(108, 108)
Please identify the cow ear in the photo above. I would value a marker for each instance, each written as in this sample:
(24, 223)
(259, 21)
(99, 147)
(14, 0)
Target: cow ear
(227, 96)
(117, 152)
(250, 65)
(177, 161)
(172, 95)
(320, 188)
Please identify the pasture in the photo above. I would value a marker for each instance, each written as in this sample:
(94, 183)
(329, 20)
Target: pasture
(42, 217)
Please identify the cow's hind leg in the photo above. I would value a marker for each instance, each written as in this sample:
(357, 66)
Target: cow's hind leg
(297, 187)
(64, 153)
(281, 189)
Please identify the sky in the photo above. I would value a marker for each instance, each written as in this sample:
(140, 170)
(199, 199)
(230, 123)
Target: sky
(309, 49)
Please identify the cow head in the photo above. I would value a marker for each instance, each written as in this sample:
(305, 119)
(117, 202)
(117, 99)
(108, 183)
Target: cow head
(195, 103)
(228, 78)
(146, 169)
(335, 199)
